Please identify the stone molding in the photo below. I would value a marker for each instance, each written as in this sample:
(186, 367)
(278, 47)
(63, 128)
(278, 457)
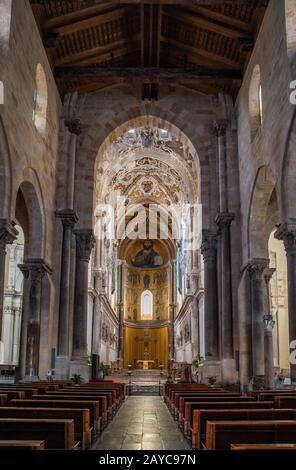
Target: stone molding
(8, 233)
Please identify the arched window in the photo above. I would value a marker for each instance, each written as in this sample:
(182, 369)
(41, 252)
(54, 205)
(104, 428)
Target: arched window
(5, 21)
(255, 101)
(290, 11)
(146, 305)
(40, 100)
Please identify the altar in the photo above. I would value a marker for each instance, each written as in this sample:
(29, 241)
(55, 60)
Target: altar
(145, 364)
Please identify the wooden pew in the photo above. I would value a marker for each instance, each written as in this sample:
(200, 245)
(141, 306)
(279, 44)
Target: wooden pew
(190, 408)
(3, 399)
(221, 434)
(21, 445)
(285, 401)
(92, 406)
(256, 393)
(101, 400)
(180, 400)
(14, 394)
(56, 433)
(29, 392)
(252, 447)
(200, 418)
(81, 419)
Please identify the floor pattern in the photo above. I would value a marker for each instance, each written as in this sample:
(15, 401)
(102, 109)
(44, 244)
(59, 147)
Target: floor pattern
(142, 423)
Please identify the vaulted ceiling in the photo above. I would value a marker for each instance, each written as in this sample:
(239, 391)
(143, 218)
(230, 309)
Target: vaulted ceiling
(203, 44)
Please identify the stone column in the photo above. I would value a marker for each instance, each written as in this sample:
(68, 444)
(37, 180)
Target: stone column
(69, 219)
(120, 307)
(74, 128)
(256, 268)
(268, 323)
(172, 308)
(8, 234)
(287, 233)
(223, 220)
(209, 252)
(97, 314)
(34, 271)
(84, 244)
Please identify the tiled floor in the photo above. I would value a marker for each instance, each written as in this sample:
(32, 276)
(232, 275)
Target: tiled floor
(142, 422)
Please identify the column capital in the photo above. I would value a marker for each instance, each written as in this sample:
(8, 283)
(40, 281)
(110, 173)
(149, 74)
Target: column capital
(209, 245)
(220, 127)
(35, 269)
(74, 126)
(8, 233)
(224, 219)
(68, 216)
(256, 267)
(85, 242)
(287, 233)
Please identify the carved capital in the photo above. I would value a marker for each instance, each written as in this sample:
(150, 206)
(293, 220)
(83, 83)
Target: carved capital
(8, 233)
(220, 128)
(74, 126)
(85, 242)
(256, 267)
(209, 245)
(287, 233)
(34, 269)
(68, 216)
(224, 219)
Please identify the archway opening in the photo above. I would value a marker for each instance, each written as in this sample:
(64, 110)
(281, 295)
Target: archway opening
(146, 201)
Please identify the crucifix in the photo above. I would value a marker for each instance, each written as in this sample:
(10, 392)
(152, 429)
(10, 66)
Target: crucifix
(146, 341)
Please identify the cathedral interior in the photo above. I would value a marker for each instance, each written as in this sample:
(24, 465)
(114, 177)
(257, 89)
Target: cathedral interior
(148, 196)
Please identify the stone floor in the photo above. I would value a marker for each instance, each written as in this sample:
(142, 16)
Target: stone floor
(142, 423)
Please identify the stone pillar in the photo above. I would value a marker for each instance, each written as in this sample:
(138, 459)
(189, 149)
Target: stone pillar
(69, 219)
(34, 271)
(8, 234)
(256, 268)
(120, 307)
(97, 314)
(268, 323)
(84, 244)
(287, 233)
(74, 127)
(172, 308)
(211, 366)
(223, 220)
(209, 252)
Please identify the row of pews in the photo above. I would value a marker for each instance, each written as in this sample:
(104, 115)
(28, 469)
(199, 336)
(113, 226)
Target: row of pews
(56, 415)
(216, 419)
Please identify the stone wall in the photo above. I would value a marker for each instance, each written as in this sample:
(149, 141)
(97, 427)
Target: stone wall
(28, 156)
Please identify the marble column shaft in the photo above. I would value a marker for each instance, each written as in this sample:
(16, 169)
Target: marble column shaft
(287, 233)
(256, 268)
(8, 234)
(84, 244)
(268, 336)
(209, 252)
(34, 271)
(69, 219)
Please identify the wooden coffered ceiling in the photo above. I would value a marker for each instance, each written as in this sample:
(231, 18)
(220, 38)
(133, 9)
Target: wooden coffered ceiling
(202, 44)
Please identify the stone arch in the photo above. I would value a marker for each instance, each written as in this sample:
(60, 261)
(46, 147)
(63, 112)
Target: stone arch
(288, 182)
(103, 131)
(263, 213)
(29, 211)
(5, 175)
